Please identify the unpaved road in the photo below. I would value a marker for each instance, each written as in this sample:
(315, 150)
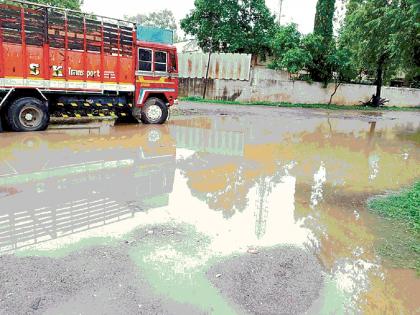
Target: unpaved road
(224, 210)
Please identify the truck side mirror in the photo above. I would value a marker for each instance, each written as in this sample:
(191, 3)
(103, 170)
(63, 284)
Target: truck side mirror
(172, 69)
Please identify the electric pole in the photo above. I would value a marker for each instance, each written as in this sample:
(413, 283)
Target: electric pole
(280, 10)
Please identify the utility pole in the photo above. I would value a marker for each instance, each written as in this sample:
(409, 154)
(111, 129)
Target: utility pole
(280, 10)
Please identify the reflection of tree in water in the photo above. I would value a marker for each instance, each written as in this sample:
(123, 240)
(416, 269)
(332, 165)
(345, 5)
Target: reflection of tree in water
(224, 183)
(408, 132)
(217, 180)
(265, 185)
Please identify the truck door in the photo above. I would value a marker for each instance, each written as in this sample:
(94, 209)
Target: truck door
(157, 75)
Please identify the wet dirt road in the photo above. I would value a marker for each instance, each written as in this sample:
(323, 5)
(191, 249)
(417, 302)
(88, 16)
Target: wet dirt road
(224, 210)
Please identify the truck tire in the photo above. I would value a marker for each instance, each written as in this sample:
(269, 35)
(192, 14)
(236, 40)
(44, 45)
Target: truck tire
(154, 111)
(28, 114)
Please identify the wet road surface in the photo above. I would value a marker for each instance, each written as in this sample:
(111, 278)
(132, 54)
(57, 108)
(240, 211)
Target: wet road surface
(224, 210)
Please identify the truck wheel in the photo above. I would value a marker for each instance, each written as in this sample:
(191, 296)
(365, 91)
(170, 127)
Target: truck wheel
(28, 114)
(154, 111)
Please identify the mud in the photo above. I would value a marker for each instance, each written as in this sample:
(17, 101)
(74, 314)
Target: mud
(209, 109)
(162, 210)
(284, 280)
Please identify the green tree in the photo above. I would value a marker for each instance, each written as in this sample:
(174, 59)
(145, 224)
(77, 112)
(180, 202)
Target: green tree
(237, 26)
(324, 19)
(162, 19)
(383, 37)
(296, 53)
(68, 4)
(406, 42)
(313, 52)
(287, 50)
(320, 69)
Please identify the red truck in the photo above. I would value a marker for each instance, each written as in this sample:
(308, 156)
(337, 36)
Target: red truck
(64, 63)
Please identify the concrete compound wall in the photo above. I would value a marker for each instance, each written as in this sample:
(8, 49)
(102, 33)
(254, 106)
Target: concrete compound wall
(275, 86)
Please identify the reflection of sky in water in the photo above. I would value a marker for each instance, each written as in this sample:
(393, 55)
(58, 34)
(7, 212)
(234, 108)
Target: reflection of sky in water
(320, 178)
(373, 166)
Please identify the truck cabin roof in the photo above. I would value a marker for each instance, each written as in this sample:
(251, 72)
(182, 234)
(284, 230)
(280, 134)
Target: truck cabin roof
(153, 45)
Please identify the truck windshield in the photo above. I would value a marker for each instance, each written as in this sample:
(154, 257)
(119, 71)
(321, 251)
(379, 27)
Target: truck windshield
(145, 59)
(160, 61)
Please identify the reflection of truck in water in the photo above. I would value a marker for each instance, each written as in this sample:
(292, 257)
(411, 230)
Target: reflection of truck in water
(68, 64)
(112, 177)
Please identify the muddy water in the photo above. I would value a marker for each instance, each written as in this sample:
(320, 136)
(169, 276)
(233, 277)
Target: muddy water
(238, 180)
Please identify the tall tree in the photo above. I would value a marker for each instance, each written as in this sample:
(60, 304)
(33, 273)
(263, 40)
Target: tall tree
(383, 37)
(204, 23)
(239, 26)
(406, 42)
(320, 69)
(324, 19)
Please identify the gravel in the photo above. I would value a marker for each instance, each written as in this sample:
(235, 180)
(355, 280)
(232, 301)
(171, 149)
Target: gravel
(97, 280)
(283, 280)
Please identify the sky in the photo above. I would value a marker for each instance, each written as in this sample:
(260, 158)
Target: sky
(301, 12)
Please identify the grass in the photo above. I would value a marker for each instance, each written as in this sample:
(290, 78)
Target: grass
(292, 105)
(402, 242)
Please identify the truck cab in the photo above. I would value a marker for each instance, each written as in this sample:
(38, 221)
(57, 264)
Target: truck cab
(156, 77)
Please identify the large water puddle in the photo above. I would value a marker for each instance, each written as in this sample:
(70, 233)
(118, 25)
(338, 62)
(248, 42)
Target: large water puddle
(235, 183)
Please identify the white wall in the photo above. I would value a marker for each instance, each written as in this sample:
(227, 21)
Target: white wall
(274, 86)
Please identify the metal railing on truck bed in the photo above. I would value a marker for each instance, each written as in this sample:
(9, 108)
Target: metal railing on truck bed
(40, 44)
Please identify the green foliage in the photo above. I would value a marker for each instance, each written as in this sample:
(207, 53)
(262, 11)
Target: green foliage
(162, 19)
(294, 52)
(68, 4)
(286, 47)
(341, 64)
(286, 38)
(293, 105)
(406, 42)
(320, 50)
(402, 245)
(324, 19)
(404, 206)
(383, 37)
(320, 44)
(295, 59)
(211, 23)
(233, 26)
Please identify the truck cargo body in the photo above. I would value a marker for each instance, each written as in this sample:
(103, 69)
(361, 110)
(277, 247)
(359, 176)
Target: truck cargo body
(72, 64)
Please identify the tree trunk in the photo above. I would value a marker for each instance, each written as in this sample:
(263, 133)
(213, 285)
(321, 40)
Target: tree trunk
(337, 85)
(379, 81)
(207, 77)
